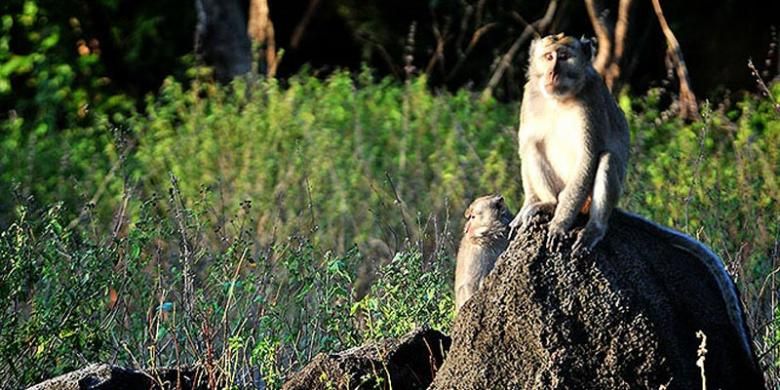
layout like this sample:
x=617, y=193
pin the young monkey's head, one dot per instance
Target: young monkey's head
x=487, y=216
x=560, y=64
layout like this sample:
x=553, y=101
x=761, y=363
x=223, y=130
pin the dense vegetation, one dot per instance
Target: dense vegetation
x=230, y=226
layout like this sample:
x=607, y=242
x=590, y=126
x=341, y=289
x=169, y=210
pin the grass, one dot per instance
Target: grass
x=232, y=226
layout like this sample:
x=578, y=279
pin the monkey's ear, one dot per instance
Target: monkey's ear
x=588, y=46
x=498, y=200
x=531, y=48
x=467, y=214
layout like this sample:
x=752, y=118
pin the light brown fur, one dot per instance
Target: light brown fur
x=485, y=237
x=573, y=141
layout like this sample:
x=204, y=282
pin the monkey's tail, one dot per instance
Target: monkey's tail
x=713, y=263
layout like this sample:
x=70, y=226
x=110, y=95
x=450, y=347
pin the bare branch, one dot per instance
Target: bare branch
x=762, y=85
x=258, y=20
x=438, y=54
x=300, y=29
x=612, y=76
x=689, y=108
x=472, y=43
x=261, y=30
x=603, y=35
x=506, y=59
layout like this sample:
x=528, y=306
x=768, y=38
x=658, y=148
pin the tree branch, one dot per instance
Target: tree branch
x=506, y=59
x=603, y=36
x=261, y=30
x=612, y=76
x=300, y=29
x=689, y=108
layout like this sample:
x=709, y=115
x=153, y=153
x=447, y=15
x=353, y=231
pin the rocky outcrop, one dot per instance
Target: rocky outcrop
x=624, y=317
x=108, y=377
x=407, y=363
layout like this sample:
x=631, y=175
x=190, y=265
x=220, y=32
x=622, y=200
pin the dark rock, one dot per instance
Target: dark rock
x=623, y=317
x=409, y=362
x=107, y=377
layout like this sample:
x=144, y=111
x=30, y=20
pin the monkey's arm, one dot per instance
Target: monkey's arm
x=540, y=185
x=572, y=197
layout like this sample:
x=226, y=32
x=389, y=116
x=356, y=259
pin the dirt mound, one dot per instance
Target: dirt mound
x=409, y=362
x=625, y=316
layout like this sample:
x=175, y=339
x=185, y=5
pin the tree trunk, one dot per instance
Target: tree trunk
x=221, y=38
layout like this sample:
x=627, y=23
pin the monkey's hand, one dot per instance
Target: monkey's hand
x=555, y=234
x=588, y=237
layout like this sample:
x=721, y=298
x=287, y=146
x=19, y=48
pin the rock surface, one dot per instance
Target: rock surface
x=107, y=377
x=409, y=362
x=623, y=317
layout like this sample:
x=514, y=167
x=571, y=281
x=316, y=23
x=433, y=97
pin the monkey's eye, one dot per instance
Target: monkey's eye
x=548, y=56
x=563, y=56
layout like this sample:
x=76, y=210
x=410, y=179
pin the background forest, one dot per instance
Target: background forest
x=243, y=184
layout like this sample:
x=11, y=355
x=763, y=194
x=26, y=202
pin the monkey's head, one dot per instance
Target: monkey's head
x=560, y=64
x=487, y=215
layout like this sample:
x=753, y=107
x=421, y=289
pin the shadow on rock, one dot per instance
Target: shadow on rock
x=625, y=316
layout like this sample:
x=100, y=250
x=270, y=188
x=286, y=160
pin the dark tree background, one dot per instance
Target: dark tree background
x=457, y=43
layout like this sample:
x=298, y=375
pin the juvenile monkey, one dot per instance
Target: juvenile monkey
x=485, y=237
x=573, y=141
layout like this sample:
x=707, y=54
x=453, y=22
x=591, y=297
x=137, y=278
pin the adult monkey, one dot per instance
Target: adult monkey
x=573, y=141
x=574, y=145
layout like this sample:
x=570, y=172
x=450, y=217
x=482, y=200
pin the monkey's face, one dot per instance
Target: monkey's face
x=486, y=214
x=559, y=64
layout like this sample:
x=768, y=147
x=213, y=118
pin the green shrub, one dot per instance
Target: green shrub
x=227, y=218
x=329, y=156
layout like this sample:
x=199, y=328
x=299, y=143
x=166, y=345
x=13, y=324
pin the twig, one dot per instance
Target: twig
x=382, y=53
x=702, y=353
x=762, y=85
x=472, y=43
x=438, y=53
x=98, y=194
x=178, y=205
x=401, y=206
x=297, y=35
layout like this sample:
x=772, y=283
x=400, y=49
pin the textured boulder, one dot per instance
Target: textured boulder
x=107, y=377
x=409, y=362
x=625, y=316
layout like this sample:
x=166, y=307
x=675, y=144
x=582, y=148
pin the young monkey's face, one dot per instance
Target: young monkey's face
x=559, y=64
x=486, y=214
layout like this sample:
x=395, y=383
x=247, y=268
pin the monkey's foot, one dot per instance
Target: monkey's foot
x=587, y=238
x=528, y=212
